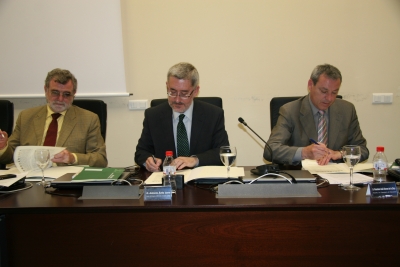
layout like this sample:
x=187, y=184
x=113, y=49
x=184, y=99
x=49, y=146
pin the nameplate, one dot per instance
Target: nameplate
x=110, y=192
x=382, y=190
x=267, y=190
x=157, y=193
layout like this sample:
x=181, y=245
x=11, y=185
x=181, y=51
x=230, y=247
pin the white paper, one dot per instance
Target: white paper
x=344, y=178
x=313, y=167
x=49, y=173
x=11, y=181
x=24, y=157
x=199, y=172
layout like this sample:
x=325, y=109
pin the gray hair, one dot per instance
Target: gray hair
x=185, y=71
x=329, y=70
x=61, y=76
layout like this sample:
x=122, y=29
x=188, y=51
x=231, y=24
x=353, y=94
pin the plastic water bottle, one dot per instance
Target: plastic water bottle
x=380, y=164
x=169, y=171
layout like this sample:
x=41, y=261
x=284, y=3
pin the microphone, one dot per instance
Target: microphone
x=267, y=168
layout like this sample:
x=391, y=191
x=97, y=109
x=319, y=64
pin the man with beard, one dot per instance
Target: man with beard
x=58, y=123
x=199, y=126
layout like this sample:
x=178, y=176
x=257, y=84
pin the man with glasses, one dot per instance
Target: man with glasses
x=58, y=123
x=317, y=125
x=192, y=129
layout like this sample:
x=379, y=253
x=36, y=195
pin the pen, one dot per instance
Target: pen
x=313, y=141
x=2, y=134
x=7, y=176
x=154, y=159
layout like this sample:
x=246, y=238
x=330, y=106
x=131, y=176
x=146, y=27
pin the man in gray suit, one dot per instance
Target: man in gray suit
x=300, y=121
x=204, y=125
x=78, y=130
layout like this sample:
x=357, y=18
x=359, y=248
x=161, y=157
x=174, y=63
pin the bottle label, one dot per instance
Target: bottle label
x=380, y=165
x=169, y=170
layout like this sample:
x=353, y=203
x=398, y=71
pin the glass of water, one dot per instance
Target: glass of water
x=228, y=156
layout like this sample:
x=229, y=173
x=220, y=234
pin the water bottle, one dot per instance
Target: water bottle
x=380, y=165
x=169, y=171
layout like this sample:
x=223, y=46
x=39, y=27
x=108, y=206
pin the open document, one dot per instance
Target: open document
x=24, y=160
x=24, y=156
x=210, y=172
x=313, y=167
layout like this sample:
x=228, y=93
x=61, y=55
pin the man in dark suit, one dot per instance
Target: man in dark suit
x=78, y=129
x=204, y=125
x=299, y=121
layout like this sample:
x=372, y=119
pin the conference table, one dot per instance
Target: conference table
x=198, y=229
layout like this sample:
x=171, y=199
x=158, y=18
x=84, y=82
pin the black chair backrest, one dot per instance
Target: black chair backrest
x=98, y=107
x=7, y=116
x=216, y=101
x=277, y=102
x=6, y=120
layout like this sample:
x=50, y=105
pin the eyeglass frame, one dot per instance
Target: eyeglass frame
x=181, y=96
x=56, y=93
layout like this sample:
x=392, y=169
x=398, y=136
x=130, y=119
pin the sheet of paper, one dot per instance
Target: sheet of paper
x=52, y=173
x=8, y=182
x=24, y=156
x=344, y=178
x=313, y=167
x=199, y=172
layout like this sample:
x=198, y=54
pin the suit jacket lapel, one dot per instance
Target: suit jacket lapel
x=197, y=124
x=305, y=115
x=165, y=121
x=38, y=123
x=67, y=126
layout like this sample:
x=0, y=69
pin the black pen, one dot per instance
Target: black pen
x=154, y=159
x=313, y=141
x=7, y=176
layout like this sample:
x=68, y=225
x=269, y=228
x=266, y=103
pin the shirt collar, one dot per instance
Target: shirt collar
x=188, y=113
x=314, y=108
x=49, y=112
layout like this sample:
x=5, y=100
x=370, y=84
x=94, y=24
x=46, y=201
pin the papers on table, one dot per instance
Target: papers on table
x=199, y=172
x=49, y=173
x=10, y=181
x=313, y=167
x=344, y=178
x=24, y=156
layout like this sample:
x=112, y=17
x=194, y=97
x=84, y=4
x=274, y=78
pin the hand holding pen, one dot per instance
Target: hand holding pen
x=153, y=164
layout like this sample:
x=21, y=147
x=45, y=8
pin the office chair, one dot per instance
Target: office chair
x=217, y=101
x=6, y=120
x=277, y=102
x=98, y=107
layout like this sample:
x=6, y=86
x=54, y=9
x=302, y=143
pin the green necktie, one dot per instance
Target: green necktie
x=182, y=138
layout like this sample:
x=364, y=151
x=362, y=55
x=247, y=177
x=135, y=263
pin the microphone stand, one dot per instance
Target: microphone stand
x=267, y=168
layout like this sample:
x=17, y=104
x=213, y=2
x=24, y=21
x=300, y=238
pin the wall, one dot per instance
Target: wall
x=248, y=51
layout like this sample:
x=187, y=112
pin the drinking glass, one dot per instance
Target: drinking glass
x=42, y=158
x=351, y=155
x=228, y=156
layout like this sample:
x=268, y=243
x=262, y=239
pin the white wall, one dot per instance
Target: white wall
x=248, y=51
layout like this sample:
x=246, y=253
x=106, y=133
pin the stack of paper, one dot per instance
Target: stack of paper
x=200, y=172
x=313, y=167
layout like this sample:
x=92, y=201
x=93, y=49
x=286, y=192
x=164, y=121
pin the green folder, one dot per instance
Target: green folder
x=92, y=174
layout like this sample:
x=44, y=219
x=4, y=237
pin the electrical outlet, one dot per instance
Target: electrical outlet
x=382, y=98
x=137, y=104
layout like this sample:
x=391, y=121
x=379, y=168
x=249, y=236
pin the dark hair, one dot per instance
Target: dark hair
x=61, y=76
x=329, y=70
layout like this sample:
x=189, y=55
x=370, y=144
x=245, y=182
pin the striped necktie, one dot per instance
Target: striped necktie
x=322, y=130
x=182, y=138
x=51, y=135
